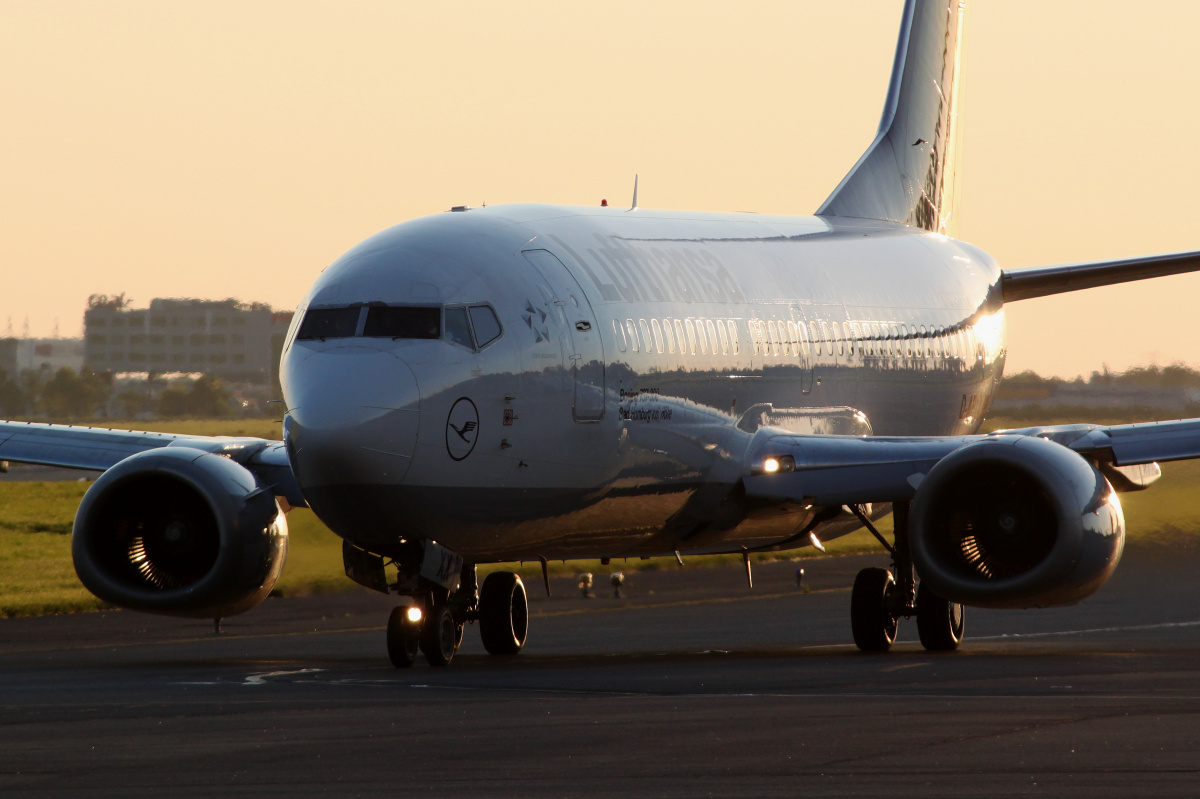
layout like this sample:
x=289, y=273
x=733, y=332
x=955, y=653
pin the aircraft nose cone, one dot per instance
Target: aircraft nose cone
x=352, y=418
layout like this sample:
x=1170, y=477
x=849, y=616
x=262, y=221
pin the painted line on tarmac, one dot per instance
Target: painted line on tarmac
x=1168, y=625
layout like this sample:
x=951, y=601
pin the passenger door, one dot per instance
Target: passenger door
x=582, y=334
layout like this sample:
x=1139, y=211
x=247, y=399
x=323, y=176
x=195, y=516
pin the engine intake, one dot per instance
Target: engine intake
x=179, y=532
x=1015, y=522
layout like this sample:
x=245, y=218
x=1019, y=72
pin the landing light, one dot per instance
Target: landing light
x=783, y=463
x=414, y=614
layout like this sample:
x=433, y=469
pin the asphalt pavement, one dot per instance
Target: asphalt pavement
x=691, y=684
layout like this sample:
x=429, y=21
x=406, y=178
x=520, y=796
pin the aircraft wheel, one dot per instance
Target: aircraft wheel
x=403, y=638
x=503, y=613
x=940, y=622
x=871, y=620
x=439, y=636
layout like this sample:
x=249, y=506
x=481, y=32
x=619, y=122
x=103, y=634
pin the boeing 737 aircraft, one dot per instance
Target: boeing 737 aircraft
x=533, y=382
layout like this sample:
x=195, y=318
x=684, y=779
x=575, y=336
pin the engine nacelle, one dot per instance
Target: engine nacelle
x=179, y=532
x=1015, y=522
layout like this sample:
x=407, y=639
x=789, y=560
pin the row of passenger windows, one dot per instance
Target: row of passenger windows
x=472, y=326
x=794, y=339
x=688, y=336
x=872, y=339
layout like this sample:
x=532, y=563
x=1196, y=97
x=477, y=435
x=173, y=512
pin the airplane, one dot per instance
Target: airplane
x=537, y=382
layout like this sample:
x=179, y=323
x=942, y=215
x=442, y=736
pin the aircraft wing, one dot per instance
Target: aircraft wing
x=75, y=447
x=844, y=470
x=1042, y=281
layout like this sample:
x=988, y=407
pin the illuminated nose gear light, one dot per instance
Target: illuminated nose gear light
x=773, y=465
x=414, y=614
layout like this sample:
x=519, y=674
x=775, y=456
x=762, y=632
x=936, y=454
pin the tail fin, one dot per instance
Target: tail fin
x=909, y=173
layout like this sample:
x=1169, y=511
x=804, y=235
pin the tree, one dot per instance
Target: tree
x=13, y=401
x=71, y=396
x=206, y=399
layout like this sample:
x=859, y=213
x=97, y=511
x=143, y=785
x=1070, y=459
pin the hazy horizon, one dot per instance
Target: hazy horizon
x=236, y=149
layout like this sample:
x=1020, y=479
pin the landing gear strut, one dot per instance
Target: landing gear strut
x=880, y=598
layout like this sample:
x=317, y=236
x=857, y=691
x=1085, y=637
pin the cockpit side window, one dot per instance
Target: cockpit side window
x=458, y=329
x=323, y=323
x=487, y=326
x=385, y=321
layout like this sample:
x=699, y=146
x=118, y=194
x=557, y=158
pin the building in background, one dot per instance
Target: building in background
x=40, y=354
x=235, y=341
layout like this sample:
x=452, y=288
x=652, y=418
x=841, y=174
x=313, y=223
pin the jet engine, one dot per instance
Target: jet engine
x=1015, y=522
x=179, y=532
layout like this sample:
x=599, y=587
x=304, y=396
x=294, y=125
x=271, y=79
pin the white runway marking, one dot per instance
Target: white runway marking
x=258, y=679
x=1134, y=628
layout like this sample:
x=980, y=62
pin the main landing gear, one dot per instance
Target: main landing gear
x=880, y=599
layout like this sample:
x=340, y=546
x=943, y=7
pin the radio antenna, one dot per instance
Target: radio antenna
x=635, y=179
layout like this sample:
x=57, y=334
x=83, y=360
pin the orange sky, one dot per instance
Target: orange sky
x=236, y=148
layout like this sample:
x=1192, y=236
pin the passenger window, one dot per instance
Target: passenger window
x=703, y=339
x=666, y=325
x=733, y=335
x=896, y=347
x=816, y=337
x=458, y=329
x=619, y=336
x=802, y=337
x=680, y=336
x=658, y=337
x=647, y=342
x=849, y=338
x=721, y=335
x=323, y=323
x=691, y=335
x=631, y=328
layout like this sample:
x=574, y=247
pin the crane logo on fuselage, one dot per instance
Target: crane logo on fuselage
x=462, y=429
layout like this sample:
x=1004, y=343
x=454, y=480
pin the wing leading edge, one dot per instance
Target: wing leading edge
x=99, y=448
x=1043, y=281
x=843, y=470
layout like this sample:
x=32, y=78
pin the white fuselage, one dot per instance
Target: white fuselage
x=640, y=352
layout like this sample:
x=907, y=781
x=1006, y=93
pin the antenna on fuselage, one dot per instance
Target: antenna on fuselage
x=635, y=177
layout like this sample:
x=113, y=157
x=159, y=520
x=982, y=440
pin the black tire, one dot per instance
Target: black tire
x=403, y=638
x=873, y=624
x=438, y=636
x=503, y=613
x=940, y=622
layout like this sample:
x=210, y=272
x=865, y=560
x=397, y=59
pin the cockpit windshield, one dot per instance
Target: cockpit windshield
x=402, y=322
x=326, y=323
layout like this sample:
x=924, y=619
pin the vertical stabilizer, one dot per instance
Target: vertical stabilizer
x=909, y=174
